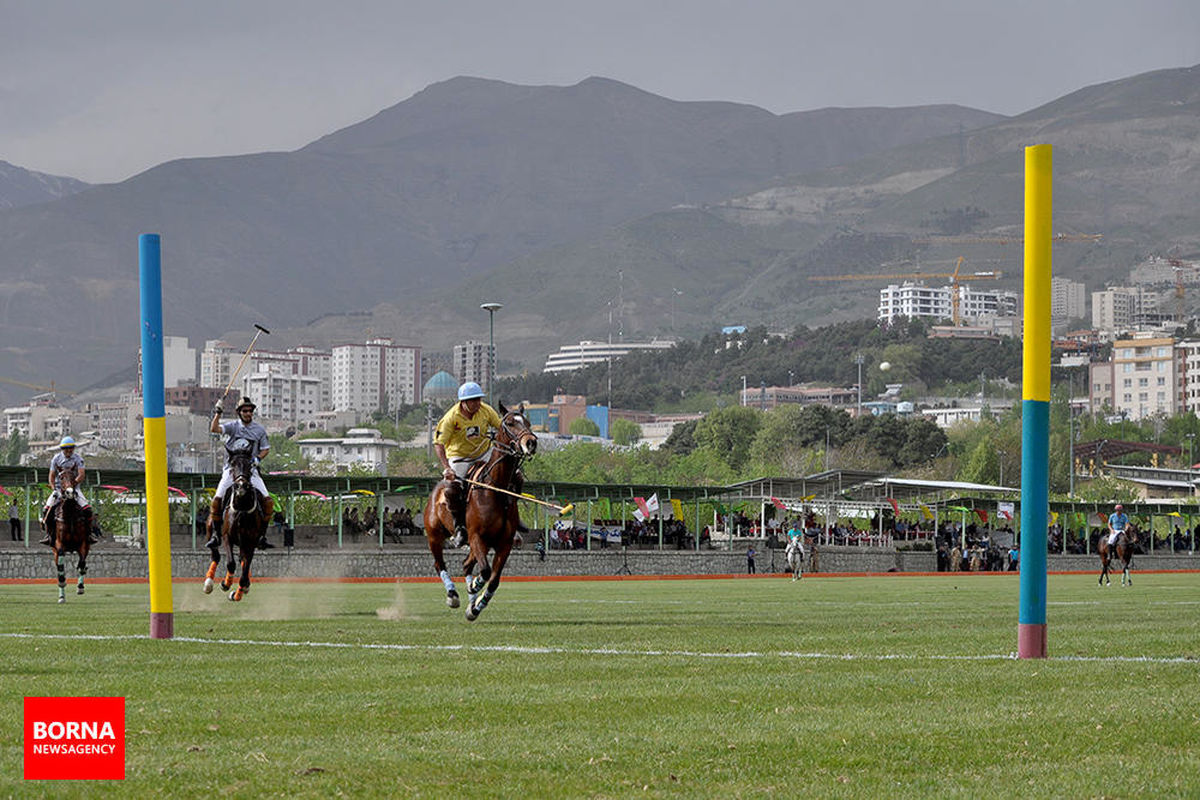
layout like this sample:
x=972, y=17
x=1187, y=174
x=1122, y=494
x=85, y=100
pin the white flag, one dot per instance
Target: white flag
x=638, y=515
x=652, y=503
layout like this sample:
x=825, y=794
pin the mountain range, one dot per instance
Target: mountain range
x=586, y=210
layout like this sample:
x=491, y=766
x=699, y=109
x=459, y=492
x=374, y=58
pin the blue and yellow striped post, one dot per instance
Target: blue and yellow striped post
x=154, y=429
x=1035, y=406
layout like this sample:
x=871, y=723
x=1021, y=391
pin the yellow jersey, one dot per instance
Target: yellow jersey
x=466, y=437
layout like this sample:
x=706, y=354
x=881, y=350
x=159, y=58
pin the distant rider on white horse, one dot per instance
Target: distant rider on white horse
x=795, y=556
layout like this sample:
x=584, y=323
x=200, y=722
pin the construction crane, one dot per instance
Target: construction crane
x=1058, y=237
x=37, y=388
x=955, y=279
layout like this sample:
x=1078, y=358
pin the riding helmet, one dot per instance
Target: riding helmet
x=246, y=401
x=470, y=390
x=66, y=442
x=1120, y=507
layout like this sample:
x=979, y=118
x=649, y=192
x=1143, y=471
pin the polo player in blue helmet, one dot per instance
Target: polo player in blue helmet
x=463, y=438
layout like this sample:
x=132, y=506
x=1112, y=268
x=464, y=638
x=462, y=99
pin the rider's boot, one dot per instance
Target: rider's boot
x=47, y=526
x=458, y=511
x=93, y=533
x=214, y=524
x=268, y=513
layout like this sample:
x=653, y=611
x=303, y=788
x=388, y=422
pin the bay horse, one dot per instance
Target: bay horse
x=70, y=534
x=795, y=557
x=243, y=522
x=1122, y=549
x=492, y=517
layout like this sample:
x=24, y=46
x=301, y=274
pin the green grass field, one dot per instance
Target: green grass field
x=831, y=687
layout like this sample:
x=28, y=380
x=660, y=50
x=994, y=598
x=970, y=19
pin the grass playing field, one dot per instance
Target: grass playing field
x=830, y=687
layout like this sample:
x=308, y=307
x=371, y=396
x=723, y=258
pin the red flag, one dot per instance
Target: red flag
x=775, y=501
x=895, y=505
x=982, y=514
x=1004, y=514
x=641, y=504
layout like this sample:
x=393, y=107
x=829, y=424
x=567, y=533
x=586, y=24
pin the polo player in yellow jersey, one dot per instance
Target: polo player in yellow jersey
x=462, y=438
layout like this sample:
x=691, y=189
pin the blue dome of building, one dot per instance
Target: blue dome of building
x=442, y=386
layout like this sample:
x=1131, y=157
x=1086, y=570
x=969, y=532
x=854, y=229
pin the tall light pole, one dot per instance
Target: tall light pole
x=674, y=293
x=1191, y=437
x=859, y=358
x=743, y=390
x=491, y=308
x=1001, y=454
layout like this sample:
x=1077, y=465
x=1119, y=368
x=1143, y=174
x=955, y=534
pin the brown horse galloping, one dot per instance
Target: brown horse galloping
x=1122, y=549
x=492, y=517
x=243, y=522
x=70, y=534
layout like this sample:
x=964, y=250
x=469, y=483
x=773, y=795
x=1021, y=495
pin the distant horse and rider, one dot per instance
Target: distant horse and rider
x=794, y=552
x=243, y=518
x=67, y=516
x=480, y=504
x=1119, y=541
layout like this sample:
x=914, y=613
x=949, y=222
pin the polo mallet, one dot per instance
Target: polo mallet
x=242, y=363
x=562, y=510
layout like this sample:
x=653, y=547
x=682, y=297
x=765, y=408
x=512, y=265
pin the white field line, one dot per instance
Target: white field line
x=607, y=651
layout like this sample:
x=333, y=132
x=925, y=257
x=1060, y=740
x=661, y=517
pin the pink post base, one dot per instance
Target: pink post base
x=1031, y=641
x=162, y=626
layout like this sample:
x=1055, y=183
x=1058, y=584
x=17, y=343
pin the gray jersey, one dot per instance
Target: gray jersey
x=62, y=463
x=240, y=437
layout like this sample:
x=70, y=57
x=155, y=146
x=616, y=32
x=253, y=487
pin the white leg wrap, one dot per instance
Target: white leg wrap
x=445, y=576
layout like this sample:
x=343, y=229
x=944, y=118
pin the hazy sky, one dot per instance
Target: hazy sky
x=103, y=89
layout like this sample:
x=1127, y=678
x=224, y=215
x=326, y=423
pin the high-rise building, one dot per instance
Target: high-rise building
x=1115, y=309
x=1068, y=299
x=377, y=375
x=1146, y=376
x=218, y=360
x=472, y=363
x=280, y=393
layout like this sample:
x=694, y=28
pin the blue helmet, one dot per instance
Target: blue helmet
x=67, y=441
x=470, y=390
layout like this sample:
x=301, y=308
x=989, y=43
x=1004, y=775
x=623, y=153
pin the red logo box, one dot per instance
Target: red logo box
x=74, y=738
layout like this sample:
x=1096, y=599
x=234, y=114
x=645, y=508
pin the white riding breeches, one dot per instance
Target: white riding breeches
x=227, y=480
x=1112, y=538
x=462, y=465
x=55, y=495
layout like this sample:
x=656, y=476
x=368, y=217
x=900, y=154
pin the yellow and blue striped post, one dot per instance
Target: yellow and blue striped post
x=154, y=429
x=1035, y=405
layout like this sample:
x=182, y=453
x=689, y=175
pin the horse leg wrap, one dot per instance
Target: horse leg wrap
x=446, y=580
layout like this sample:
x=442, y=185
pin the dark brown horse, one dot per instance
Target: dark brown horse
x=243, y=523
x=1122, y=548
x=70, y=534
x=492, y=517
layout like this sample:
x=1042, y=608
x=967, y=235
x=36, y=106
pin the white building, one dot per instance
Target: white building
x=1114, y=309
x=1189, y=363
x=577, y=356
x=359, y=446
x=948, y=417
x=218, y=360
x=179, y=361
x=471, y=363
x=282, y=394
x=1068, y=299
x=911, y=300
x=377, y=375
x=1146, y=377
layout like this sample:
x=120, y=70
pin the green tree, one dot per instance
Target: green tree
x=582, y=426
x=729, y=432
x=682, y=439
x=625, y=432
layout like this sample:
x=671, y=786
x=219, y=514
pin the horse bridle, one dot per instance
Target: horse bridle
x=510, y=449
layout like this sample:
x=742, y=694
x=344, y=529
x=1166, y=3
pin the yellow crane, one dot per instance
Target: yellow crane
x=954, y=277
x=1058, y=237
x=36, y=387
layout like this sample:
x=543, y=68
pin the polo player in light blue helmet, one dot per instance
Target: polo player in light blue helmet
x=66, y=471
x=461, y=439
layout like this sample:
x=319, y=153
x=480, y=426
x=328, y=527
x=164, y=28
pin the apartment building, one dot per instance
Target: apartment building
x=1146, y=376
x=377, y=375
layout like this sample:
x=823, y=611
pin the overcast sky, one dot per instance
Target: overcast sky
x=103, y=89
